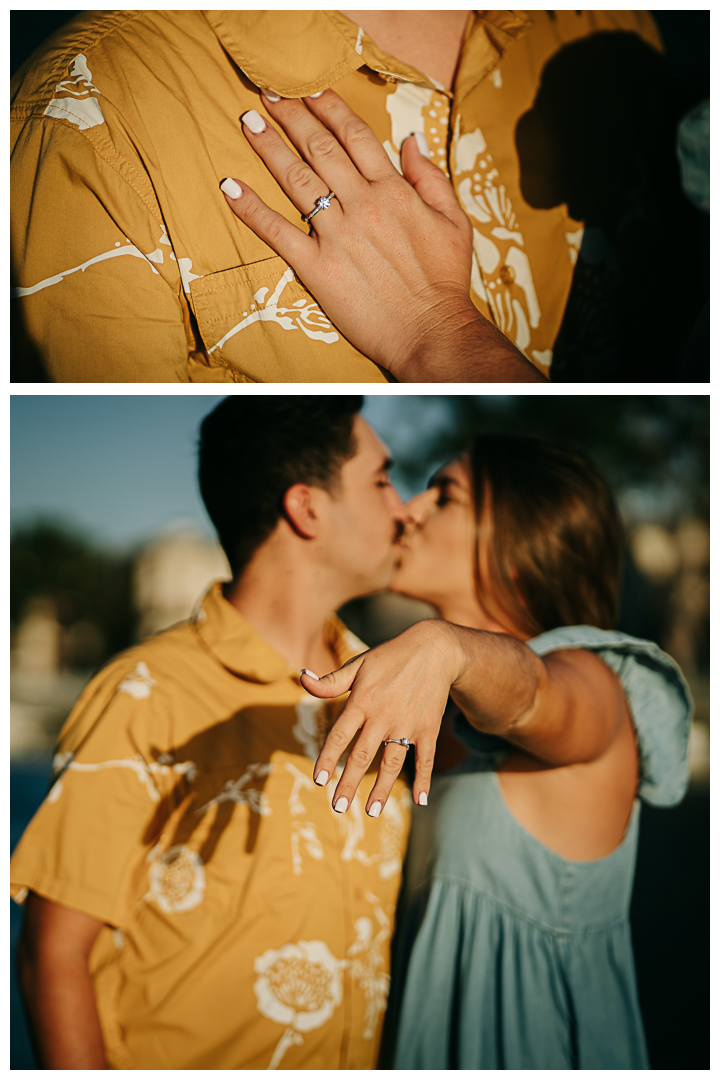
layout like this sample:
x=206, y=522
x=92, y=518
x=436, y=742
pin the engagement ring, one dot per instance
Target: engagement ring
x=320, y=204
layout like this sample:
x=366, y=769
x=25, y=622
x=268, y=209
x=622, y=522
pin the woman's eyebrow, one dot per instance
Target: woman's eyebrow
x=441, y=480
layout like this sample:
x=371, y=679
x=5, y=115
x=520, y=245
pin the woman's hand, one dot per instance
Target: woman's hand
x=389, y=260
x=566, y=709
x=398, y=690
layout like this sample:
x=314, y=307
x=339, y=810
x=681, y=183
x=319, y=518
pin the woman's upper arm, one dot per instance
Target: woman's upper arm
x=578, y=711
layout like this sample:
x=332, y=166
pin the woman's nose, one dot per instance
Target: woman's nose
x=419, y=507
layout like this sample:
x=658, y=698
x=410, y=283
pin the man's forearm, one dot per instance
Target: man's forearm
x=60, y=1003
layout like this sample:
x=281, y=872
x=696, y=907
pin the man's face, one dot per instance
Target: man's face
x=365, y=518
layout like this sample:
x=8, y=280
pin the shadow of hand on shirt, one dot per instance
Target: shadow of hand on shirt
x=226, y=767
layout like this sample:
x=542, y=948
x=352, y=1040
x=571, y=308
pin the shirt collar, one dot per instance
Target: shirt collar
x=488, y=38
x=297, y=53
x=240, y=649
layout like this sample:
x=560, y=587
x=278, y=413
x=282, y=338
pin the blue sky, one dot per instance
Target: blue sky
x=121, y=468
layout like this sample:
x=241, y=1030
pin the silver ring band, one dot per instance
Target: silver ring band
x=320, y=204
x=403, y=742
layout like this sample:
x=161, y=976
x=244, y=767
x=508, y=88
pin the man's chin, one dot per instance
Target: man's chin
x=399, y=582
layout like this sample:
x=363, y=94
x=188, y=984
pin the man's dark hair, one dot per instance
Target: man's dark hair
x=252, y=449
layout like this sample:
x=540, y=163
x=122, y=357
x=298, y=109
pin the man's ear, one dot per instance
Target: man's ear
x=300, y=504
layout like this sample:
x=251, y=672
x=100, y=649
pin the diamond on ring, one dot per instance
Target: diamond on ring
x=320, y=204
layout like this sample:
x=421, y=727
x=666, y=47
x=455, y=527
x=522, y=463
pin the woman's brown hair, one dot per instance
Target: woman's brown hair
x=556, y=538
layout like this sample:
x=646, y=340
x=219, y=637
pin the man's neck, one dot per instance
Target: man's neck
x=428, y=40
x=288, y=603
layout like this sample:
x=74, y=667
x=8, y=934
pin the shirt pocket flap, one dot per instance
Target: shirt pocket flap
x=260, y=322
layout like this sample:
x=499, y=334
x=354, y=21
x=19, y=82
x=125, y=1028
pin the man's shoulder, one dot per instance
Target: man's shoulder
x=64, y=63
x=171, y=651
x=141, y=687
x=166, y=660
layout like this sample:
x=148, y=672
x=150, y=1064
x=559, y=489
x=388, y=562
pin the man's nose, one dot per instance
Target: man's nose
x=399, y=508
x=401, y=515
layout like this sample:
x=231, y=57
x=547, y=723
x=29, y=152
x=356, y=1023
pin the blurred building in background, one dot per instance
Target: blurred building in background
x=75, y=608
x=170, y=575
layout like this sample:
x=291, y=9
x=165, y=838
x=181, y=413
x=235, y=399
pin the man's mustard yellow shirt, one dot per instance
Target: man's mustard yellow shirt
x=247, y=924
x=128, y=264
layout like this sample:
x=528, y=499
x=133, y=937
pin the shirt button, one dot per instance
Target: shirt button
x=507, y=275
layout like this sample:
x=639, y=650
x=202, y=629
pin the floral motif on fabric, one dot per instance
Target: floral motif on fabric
x=246, y=790
x=177, y=879
x=303, y=832
x=501, y=274
x=299, y=986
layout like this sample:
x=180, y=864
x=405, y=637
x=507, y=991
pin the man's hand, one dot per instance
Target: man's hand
x=389, y=259
x=56, y=986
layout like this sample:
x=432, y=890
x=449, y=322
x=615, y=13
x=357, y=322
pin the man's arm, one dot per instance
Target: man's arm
x=97, y=291
x=56, y=986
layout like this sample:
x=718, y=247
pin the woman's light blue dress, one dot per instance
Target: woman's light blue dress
x=507, y=955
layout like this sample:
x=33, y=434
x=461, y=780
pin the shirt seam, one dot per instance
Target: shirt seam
x=86, y=40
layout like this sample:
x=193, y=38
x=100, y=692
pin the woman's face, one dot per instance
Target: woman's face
x=437, y=560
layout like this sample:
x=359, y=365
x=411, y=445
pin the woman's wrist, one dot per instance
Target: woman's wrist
x=498, y=681
x=455, y=343
x=436, y=332
x=444, y=645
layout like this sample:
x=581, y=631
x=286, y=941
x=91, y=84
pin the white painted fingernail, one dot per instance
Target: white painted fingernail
x=422, y=798
x=231, y=188
x=375, y=809
x=253, y=121
x=322, y=778
x=307, y=671
x=319, y=94
x=341, y=805
x=422, y=143
x=271, y=97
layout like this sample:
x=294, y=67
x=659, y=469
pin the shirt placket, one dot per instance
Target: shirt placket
x=499, y=247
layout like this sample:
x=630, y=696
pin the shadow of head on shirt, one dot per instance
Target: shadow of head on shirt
x=600, y=137
x=600, y=133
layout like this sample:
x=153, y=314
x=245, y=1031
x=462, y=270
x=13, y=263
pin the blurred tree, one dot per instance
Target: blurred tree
x=89, y=590
x=654, y=442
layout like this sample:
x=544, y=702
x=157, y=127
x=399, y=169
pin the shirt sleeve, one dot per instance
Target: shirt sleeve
x=114, y=785
x=98, y=294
